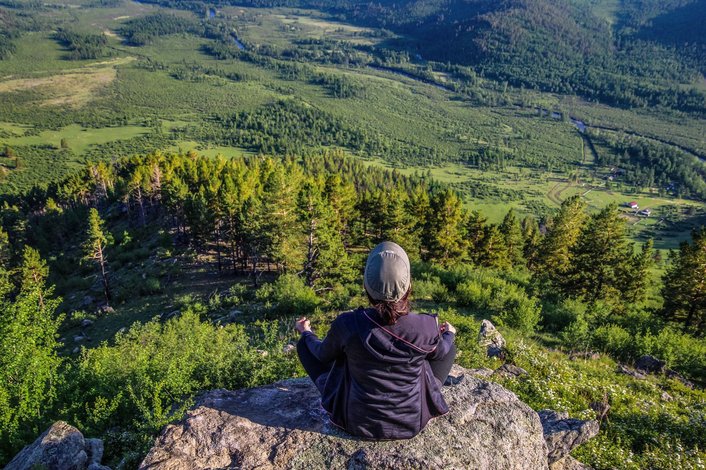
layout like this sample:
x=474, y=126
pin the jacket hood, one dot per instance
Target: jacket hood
x=397, y=343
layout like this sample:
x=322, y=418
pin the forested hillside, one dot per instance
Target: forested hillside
x=180, y=180
x=120, y=235
x=555, y=45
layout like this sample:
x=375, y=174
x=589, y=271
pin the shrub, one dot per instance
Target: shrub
x=507, y=303
x=151, y=374
x=430, y=288
x=288, y=295
x=613, y=339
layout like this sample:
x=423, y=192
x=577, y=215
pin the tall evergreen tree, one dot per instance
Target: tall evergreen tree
x=29, y=365
x=532, y=239
x=475, y=232
x=601, y=259
x=684, y=288
x=326, y=262
x=33, y=273
x=493, y=250
x=512, y=233
x=556, y=249
x=97, y=240
x=445, y=242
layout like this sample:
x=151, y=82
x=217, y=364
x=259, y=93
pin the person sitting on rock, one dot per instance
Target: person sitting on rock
x=380, y=369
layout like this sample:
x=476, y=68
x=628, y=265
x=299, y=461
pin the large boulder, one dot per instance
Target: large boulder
x=61, y=447
x=491, y=339
x=283, y=426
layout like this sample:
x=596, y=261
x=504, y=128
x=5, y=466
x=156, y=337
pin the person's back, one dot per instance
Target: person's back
x=380, y=378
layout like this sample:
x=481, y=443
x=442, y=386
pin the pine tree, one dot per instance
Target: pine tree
x=493, y=250
x=556, y=249
x=5, y=256
x=638, y=278
x=326, y=261
x=445, y=242
x=532, y=239
x=514, y=241
x=684, y=288
x=33, y=273
x=29, y=364
x=475, y=233
x=398, y=225
x=97, y=240
x=601, y=259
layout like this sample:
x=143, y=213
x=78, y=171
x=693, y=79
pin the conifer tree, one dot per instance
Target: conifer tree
x=555, y=253
x=33, y=273
x=514, y=242
x=475, y=233
x=684, y=288
x=398, y=225
x=29, y=365
x=637, y=282
x=601, y=259
x=97, y=240
x=493, y=250
x=5, y=255
x=532, y=239
x=445, y=241
x=326, y=262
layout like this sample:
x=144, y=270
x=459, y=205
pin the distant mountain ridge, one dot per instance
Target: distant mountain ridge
x=650, y=56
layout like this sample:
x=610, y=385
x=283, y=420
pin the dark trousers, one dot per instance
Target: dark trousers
x=315, y=368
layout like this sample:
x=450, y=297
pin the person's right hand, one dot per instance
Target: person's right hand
x=446, y=326
x=302, y=325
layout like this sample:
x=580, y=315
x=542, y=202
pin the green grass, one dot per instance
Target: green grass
x=78, y=138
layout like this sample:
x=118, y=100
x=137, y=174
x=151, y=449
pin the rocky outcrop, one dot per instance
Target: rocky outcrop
x=563, y=433
x=61, y=447
x=283, y=426
x=491, y=339
x=650, y=365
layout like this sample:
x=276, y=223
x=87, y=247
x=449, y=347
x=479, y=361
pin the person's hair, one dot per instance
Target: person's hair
x=392, y=311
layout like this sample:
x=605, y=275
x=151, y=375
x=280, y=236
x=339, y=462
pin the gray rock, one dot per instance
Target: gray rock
x=85, y=323
x=491, y=339
x=666, y=397
x=569, y=463
x=76, y=350
x=672, y=374
x=564, y=434
x=481, y=372
x=87, y=301
x=80, y=338
x=61, y=447
x=510, y=370
x=632, y=373
x=94, y=449
x=289, y=349
x=97, y=466
x=283, y=426
x=650, y=365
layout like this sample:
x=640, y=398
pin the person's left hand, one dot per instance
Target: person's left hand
x=302, y=325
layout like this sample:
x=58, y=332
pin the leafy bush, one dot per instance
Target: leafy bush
x=152, y=373
x=288, y=295
x=507, y=303
x=430, y=288
x=613, y=339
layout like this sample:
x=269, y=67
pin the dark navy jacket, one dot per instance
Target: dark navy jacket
x=380, y=385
